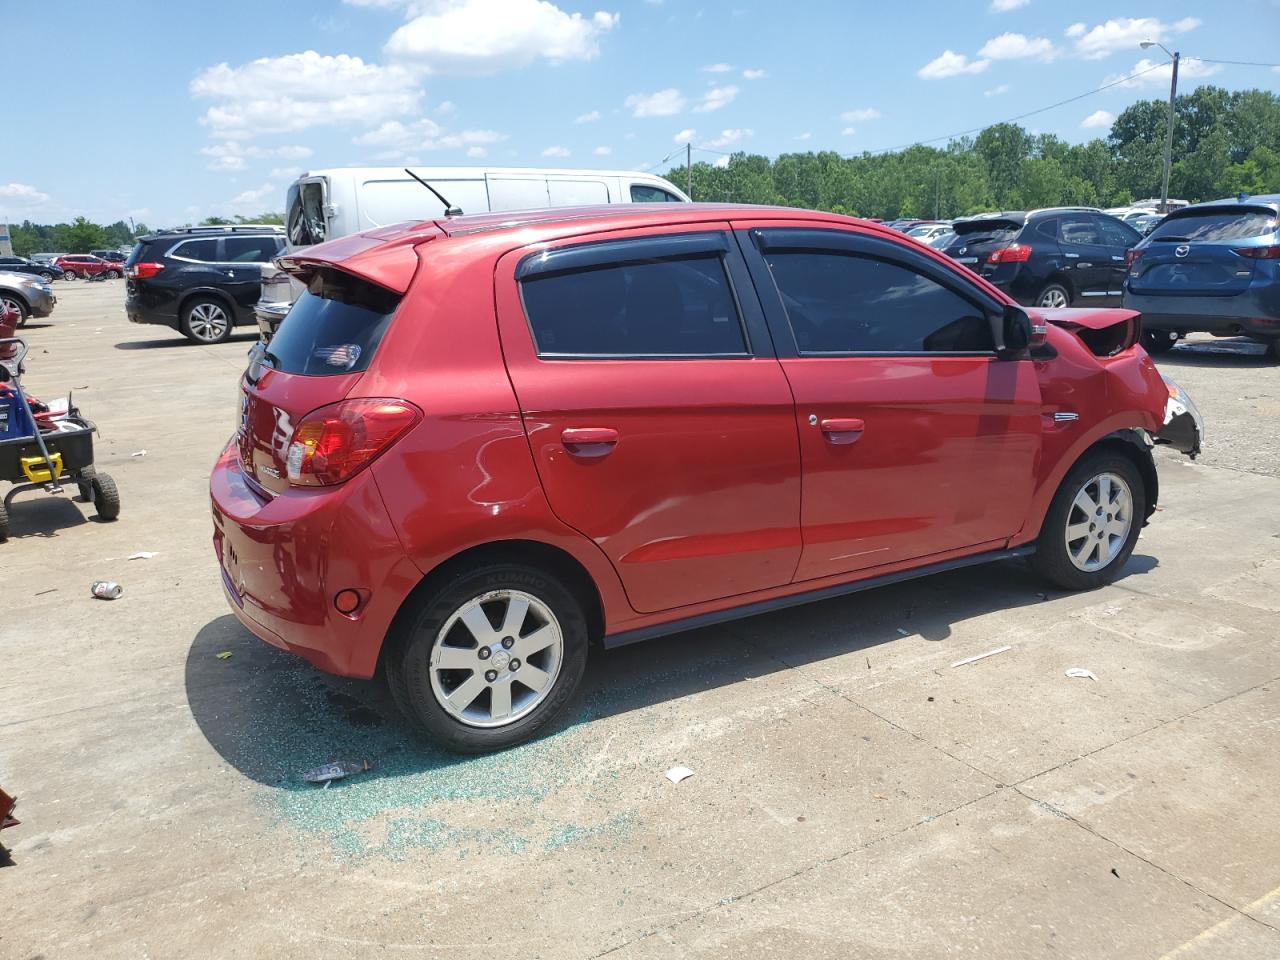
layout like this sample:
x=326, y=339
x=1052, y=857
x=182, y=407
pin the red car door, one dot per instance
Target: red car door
x=916, y=441
x=660, y=422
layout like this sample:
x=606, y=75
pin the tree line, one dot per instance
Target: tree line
x=82, y=235
x=1224, y=143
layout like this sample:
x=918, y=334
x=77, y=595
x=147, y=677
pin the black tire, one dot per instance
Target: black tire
x=106, y=498
x=114, y=274
x=1052, y=292
x=46, y=277
x=413, y=637
x=69, y=275
x=18, y=304
x=1052, y=559
x=1273, y=351
x=1156, y=342
x=200, y=324
x=4, y=522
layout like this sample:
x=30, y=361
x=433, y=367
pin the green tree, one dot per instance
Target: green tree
x=79, y=236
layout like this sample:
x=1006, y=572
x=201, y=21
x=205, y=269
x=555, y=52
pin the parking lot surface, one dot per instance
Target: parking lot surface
x=853, y=795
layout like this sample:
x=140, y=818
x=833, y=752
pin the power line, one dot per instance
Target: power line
x=1236, y=63
x=1022, y=116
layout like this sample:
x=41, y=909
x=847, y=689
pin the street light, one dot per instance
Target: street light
x=1168, y=137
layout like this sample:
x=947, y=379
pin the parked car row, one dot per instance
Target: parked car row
x=70, y=266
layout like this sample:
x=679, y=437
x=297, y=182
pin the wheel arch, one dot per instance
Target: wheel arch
x=210, y=293
x=534, y=552
x=8, y=294
x=1062, y=279
x=1128, y=443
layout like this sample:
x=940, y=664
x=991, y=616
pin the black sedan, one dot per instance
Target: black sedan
x=46, y=271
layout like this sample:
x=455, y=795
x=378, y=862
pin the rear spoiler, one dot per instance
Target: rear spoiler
x=384, y=257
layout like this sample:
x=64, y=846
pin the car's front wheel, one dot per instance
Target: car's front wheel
x=13, y=303
x=205, y=320
x=489, y=658
x=113, y=274
x=1054, y=295
x=1093, y=523
x=46, y=277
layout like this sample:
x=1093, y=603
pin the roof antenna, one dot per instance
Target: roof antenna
x=449, y=209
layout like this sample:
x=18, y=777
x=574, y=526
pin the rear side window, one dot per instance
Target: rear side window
x=666, y=308
x=844, y=303
x=204, y=251
x=1216, y=225
x=250, y=249
x=334, y=327
x=643, y=193
x=1116, y=233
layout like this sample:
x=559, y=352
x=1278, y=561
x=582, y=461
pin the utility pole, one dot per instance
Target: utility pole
x=688, y=163
x=1168, y=137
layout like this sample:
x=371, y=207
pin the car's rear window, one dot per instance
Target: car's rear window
x=1211, y=225
x=334, y=327
x=996, y=229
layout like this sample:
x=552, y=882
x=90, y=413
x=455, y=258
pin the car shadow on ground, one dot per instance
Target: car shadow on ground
x=272, y=716
x=29, y=325
x=34, y=513
x=178, y=340
x=1231, y=353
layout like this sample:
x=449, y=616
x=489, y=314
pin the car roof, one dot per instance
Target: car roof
x=1259, y=202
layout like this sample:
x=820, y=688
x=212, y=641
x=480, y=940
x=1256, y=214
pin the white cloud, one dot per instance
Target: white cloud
x=556, y=152
x=1004, y=6
x=728, y=137
x=950, y=64
x=848, y=131
x=861, y=114
x=1099, y=118
x=1123, y=33
x=722, y=162
x=17, y=196
x=302, y=90
x=715, y=98
x=602, y=151
x=445, y=108
x=664, y=103
x=996, y=91
x=591, y=117
x=284, y=173
x=477, y=153
x=1016, y=46
x=486, y=36
x=750, y=74
x=252, y=200
x=685, y=136
x=717, y=68
x=422, y=134
x=231, y=155
x=805, y=136
x=1157, y=74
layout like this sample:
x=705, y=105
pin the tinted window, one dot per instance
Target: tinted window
x=642, y=193
x=205, y=251
x=334, y=327
x=1117, y=234
x=842, y=303
x=1048, y=228
x=306, y=214
x=249, y=249
x=667, y=308
x=1074, y=231
x=1216, y=225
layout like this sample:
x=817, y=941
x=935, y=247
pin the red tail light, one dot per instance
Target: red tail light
x=1260, y=253
x=1014, y=253
x=141, y=271
x=1131, y=255
x=335, y=442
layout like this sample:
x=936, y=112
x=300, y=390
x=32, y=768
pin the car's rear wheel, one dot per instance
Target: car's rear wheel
x=489, y=658
x=13, y=303
x=1054, y=295
x=113, y=274
x=1273, y=351
x=205, y=320
x=70, y=275
x=1093, y=523
x=1158, y=341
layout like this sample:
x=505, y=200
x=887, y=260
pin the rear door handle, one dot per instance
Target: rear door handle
x=1072, y=256
x=842, y=430
x=589, y=441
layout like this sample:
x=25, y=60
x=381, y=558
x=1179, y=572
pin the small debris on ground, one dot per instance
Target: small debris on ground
x=1114, y=874
x=224, y=655
x=143, y=555
x=138, y=453
x=336, y=770
x=676, y=774
x=50, y=590
x=106, y=590
x=904, y=632
x=1080, y=673
x=981, y=656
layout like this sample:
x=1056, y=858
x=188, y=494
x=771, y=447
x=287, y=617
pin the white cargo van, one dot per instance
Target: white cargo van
x=326, y=204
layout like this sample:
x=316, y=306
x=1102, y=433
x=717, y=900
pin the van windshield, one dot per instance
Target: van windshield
x=334, y=327
x=306, y=214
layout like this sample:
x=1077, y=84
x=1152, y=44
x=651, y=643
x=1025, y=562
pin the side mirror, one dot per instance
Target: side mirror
x=1014, y=335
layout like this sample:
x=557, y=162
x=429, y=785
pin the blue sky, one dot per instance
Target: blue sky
x=170, y=112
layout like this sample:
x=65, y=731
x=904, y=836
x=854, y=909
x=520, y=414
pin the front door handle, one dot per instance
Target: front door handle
x=842, y=430
x=589, y=441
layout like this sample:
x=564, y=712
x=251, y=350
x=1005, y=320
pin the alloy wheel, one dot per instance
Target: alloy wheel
x=496, y=658
x=1099, y=522
x=208, y=322
x=1052, y=298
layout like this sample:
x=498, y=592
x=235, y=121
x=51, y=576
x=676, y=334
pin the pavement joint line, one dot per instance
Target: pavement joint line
x=1234, y=910
x=801, y=871
x=1211, y=932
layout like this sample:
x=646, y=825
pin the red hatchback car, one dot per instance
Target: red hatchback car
x=477, y=446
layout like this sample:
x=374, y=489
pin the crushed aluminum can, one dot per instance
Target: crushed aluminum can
x=106, y=590
x=336, y=770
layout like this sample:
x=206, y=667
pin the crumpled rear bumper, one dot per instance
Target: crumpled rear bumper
x=1183, y=427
